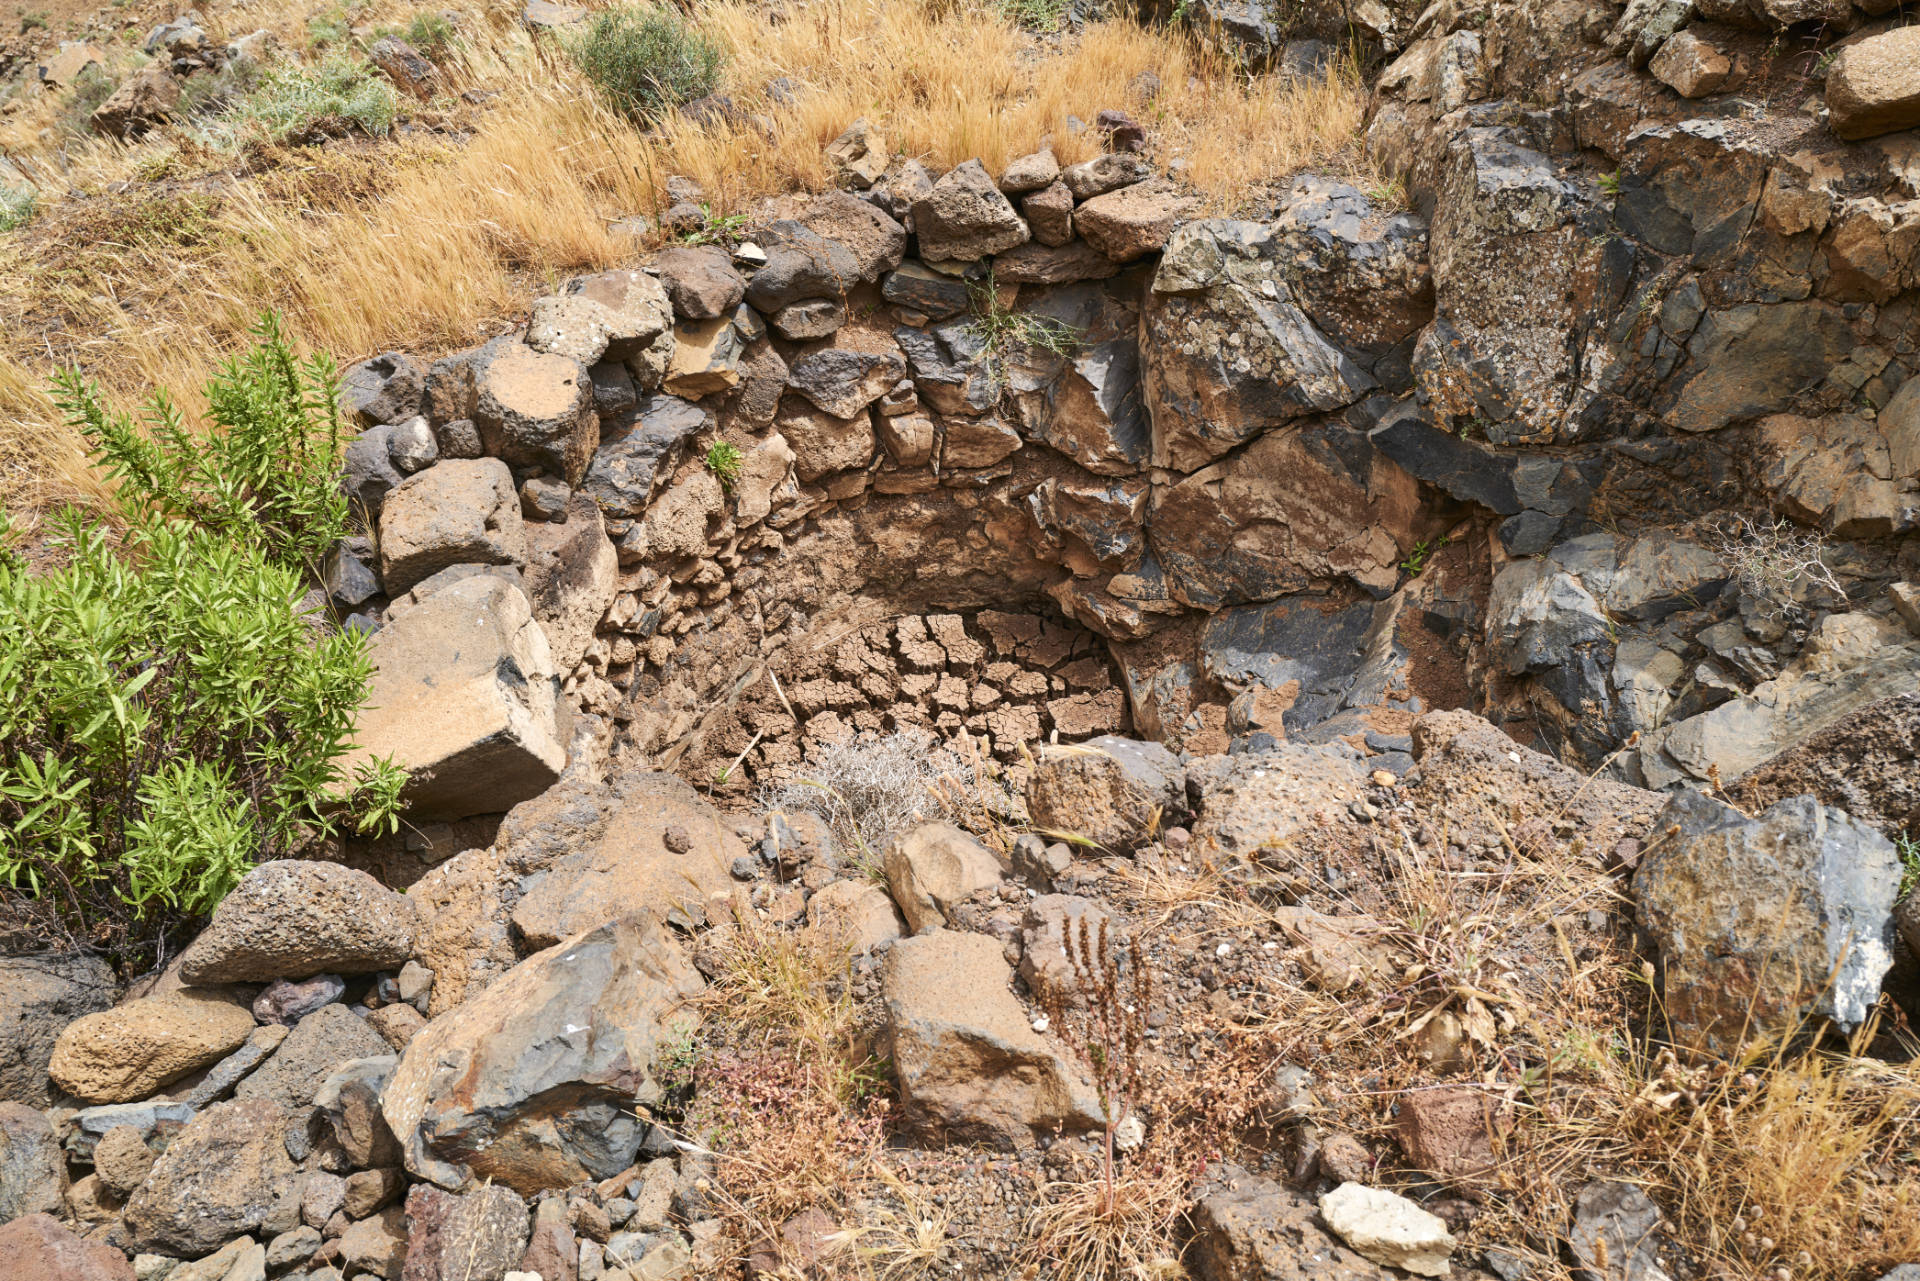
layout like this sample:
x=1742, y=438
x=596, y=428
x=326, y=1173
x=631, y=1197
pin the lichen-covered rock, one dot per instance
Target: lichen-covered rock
x=1763, y=923
x=294, y=917
x=1226, y=351
x=126, y=1053
x=532, y=1100
x=970, y=1067
x=33, y=1170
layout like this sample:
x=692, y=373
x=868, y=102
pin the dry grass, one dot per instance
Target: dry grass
x=453, y=236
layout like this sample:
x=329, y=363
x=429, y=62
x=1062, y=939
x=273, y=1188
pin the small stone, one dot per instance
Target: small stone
x=1388, y=1229
x=286, y=1002
x=545, y=498
x=411, y=446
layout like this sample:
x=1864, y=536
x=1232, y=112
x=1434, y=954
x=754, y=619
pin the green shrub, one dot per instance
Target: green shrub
x=16, y=207
x=646, y=61
x=292, y=103
x=724, y=460
x=167, y=715
x=432, y=34
x=329, y=27
x=265, y=471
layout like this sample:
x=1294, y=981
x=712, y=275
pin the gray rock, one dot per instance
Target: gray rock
x=844, y=382
x=228, y=1072
x=287, y=1003
x=1098, y=176
x=1615, y=1233
x=965, y=217
x=1761, y=924
x=349, y=582
x=225, y=1175
x=385, y=389
x=368, y=472
x=460, y=512
x=295, y=917
x=929, y=292
x=801, y=263
x=318, y=1044
x=544, y=498
x=700, y=281
x=952, y=371
x=411, y=445
x=639, y=449
x=291, y=1249
x=39, y=996
x=154, y=1120
x=1030, y=172
x=809, y=320
x=349, y=1099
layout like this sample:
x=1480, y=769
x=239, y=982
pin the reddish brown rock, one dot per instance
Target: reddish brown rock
x=36, y=1247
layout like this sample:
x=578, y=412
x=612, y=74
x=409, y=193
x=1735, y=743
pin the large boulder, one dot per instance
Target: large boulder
x=1113, y=791
x=292, y=918
x=318, y=1044
x=933, y=868
x=1226, y=351
x=1873, y=86
x=965, y=217
x=532, y=1082
x=36, y=1247
x=225, y=1175
x=33, y=1169
x=464, y=511
x=1761, y=924
x=126, y=1053
x=970, y=1066
x=39, y=996
x=148, y=97
x=664, y=850
x=465, y=699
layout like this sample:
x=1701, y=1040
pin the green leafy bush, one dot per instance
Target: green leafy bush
x=343, y=94
x=168, y=716
x=432, y=34
x=647, y=60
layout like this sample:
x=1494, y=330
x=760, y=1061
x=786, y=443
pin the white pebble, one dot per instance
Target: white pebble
x=1223, y=949
x=1042, y=1023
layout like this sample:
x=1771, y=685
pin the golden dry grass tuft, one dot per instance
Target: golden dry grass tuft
x=426, y=241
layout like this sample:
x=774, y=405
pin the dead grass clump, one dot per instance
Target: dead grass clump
x=868, y=787
x=1093, y=1230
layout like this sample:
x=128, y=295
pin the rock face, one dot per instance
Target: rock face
x=532, y=1082
x=1220, y=279
x=291, y=918
x=1866, y=763
x=464, y=699
x=1761, y=924
x=664, y=850
x=39, y=996
x=225, y=1175
x=123, y=1054
x=1113, y=791
x=37, y=1248
x=1873, y=86
x=969, y=1065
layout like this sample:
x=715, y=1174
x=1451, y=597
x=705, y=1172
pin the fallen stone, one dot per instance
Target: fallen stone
x=126, y=1053
x=1615, y=1233
x=241, y=1260
x=857, y=912
x=933, y=868
x=1388, y=1229
x=286, y=1002
x=632, y=866
x=293, y=917
x=227, y=1174
x=969, y=1065
x=1873, y=86
x=1762, y=924
x=1690, y=66
x=552, y=1118
x=572, y=576
x=147, y=98
x=465, y=699
x=1113, y=791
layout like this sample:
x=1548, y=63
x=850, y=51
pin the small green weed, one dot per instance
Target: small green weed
x=723, y=460
x=432, y=34
x=1042, y=16
x=645, y=61
x=16, y=207
x=1909, y=848
x=329, y=27
x=34, y=21
x=1000, y=329
x=1610, y=183
x=717, y=229
x=1423, y=551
